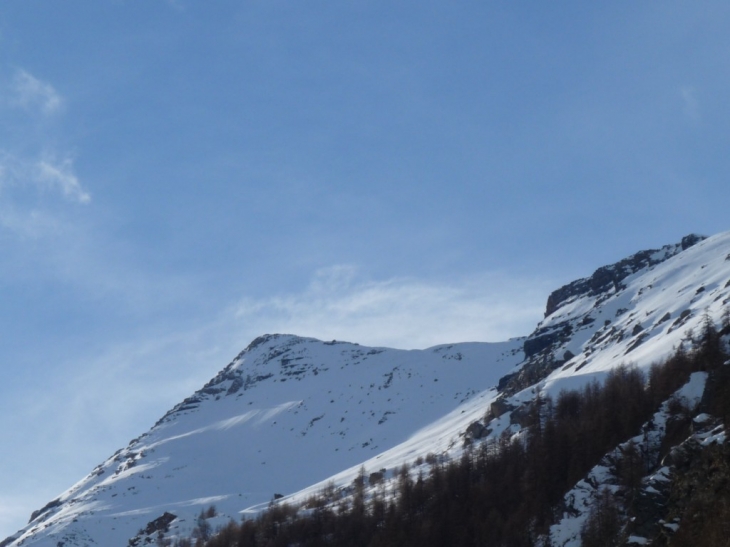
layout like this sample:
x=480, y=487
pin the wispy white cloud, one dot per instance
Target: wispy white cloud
x=44, y=173
x=31, y=93
x=28, y=179
x=401, y=312
x=60, y=174
x=24, y=211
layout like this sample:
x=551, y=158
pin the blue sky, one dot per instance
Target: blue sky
x=178, y=177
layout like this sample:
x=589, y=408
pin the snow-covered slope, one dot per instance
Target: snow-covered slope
x=640, y=316
x=287, y=412
x=290, y=415
x=635, y=312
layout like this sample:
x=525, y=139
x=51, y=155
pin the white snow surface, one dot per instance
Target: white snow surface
x=290, y=415
x=304, y=410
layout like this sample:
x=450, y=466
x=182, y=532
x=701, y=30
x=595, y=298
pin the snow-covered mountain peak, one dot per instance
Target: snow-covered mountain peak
x=285, y=413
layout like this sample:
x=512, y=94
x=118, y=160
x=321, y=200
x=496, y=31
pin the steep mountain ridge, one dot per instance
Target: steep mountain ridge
x=291, y=415
x=608, y=279
x=628, y=304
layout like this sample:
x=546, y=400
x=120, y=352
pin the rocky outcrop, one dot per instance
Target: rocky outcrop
x=46, y=508
x=607, y=279
x=154, y=531
x=476, y=430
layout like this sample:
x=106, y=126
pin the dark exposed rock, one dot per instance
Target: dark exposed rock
x=637, y=329
x=533, y=346
x=666, y=317
x=153, y=531
x=535, y=369
x=505, y=381
x=545, y=338
x=257, y=342
x=499, y=407
x=47, y=507
x=476, y=430
x=539, y=357
x=376, y=478
x=160, y=524
x=212, y=390
x=607, y=279
x=236, y=385
x=636, y=343
x=690, y=240
x=681, y=320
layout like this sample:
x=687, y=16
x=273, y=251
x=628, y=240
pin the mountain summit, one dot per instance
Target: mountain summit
x=291, y=415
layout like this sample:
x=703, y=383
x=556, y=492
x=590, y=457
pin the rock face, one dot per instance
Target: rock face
x=607, y=279
x=549, y=347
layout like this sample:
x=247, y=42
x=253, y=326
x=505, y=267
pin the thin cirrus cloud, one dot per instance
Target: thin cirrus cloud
x=26, y=178
x=61, y=175
x=400, y=312
x=46, y=173
x=35, y=218
x=31, y=93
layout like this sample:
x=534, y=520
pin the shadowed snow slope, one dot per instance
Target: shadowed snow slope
x=290, y=414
